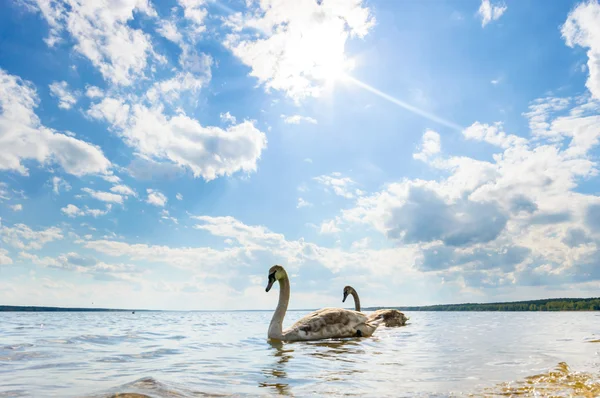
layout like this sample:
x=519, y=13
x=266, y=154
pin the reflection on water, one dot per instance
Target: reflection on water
x=208, y=353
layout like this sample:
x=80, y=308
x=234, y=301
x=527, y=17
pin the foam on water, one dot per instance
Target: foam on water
x=157, y=354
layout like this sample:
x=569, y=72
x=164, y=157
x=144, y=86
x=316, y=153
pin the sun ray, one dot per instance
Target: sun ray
x=403, y=104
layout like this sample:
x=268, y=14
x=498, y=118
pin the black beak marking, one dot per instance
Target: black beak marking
x=271, y=281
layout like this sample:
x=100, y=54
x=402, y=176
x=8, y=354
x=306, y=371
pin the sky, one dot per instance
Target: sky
x=164, y=155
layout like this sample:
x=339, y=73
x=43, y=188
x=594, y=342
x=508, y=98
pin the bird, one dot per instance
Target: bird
x=391, y=317
x=326, y=323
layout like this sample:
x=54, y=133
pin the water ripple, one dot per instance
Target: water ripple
x=194, y=354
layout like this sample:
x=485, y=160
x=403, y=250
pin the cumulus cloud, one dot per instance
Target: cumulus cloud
x=430, y=146
x=58, y=184
x=297, y=119
x=22, y=237
x=5, y=258
x=195, y=13
x=17, y=207
x=104, y=196
x=93, y=92
x=341, y=186
x=196, y=74
x=296, y=47
x=24, y=138
x=168, y=30
x=517, y=219
x=227, y=117
x=156, y=198
x=102, y=34
x=490, y=12
x=73, y=211
x=209, y=152
x=581, y=29
x=179, y=196
x=86, y=265
x=124, y=190
x=303, y=203
x=66, y=98
x=329, y=227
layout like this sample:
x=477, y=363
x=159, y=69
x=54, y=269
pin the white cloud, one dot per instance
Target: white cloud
x=22, y=237
x=303, y=203
x=168, y=30
x=66, y=98
x=93, y=92
x=179, y=196
x=516, y=220
x=341, y=186
x=104, y=196
x=227, y=118
x=111, y=178
x=196, y=74
x=102, y=34
x=194, y=12
x=123, y=190
x=4, y=258
x=23, y=137
x=540, y=111
x=73, y=211
x=17, y=207
x=581, y=29
x=490, y=12
x=308, y=160
x=430, y=146
x=329, y=227
x=58, y=183
x=300, y=45
x=156, y=198
x=209, y=152
x=4, y=191
x=492, y=135
x=297, y=119
x=164, y=215
x=86, y=265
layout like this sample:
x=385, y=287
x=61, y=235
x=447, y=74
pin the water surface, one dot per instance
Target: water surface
x=180, y=354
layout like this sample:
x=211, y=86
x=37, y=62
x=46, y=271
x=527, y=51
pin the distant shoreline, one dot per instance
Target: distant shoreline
x=558, y=304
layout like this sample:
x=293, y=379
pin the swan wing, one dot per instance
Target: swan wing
x=330, y=323
x=390, y=317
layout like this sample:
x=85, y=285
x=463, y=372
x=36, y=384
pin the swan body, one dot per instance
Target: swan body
x=390, y=317
x=325, y=323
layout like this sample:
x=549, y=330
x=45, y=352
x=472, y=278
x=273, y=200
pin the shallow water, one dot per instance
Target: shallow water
x=180, y=354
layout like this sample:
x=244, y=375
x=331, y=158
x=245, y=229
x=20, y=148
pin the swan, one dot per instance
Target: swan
x=325, y=323
x=391, y=318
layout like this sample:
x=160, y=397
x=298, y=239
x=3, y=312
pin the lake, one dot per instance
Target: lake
x=181, y=354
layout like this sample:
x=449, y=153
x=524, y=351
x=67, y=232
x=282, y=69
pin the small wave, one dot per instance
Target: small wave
x=561, y=381
x=149, y=387
x=16, y=347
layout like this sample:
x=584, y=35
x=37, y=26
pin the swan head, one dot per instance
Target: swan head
x=276, y=273
x=347, y=290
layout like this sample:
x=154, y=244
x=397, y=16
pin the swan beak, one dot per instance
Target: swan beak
x=269, y=285
x=271, y=281
x=345, y=296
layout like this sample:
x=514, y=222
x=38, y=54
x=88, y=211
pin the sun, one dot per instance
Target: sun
x=333, y=68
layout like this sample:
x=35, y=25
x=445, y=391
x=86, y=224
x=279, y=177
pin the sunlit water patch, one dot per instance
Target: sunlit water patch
x=189, y=354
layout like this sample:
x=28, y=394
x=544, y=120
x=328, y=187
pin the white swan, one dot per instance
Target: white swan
x=391, y=318
x=325, y=323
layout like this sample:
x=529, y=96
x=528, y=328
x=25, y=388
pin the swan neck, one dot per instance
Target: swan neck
x=356, y=300
x=276, y=326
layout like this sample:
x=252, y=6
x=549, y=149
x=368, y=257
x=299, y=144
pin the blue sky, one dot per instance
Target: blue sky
x=166, y=154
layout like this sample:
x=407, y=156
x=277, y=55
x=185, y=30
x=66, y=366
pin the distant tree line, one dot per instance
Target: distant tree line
x=560, y=304
x=14, y=308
